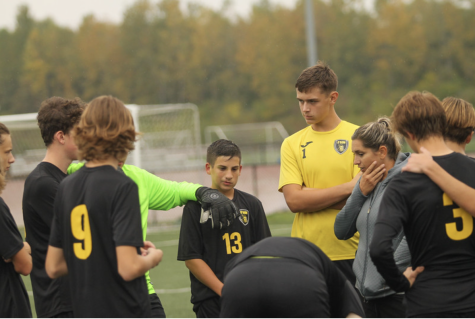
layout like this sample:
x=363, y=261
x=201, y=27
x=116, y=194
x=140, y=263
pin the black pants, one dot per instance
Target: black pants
x=393, y=306
x=346, y=267
x=446, y=315
x=208, y=308
x=67, y=314
x=156, y=307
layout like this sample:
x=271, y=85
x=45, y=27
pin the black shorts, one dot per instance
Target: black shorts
x=277, y=287
x=157, y=310
x=208, y=308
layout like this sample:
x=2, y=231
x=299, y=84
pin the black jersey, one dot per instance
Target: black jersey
x=439, y=235
x=14, y=302
x=215, y=246
x=286, y=277
x=96, y=210
x=52, y=297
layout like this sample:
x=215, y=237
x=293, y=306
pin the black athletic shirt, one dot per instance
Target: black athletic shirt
x=333, y=285
x=440, y=237
x=52, y=297
x=109, y=201
x=216, y=247
x=14, y=300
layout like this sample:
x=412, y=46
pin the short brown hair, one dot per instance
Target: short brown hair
x=3, y=130
x=375, y=134
x=319, y=75
x=421, y=114
x=222, y=147
x=460, y=119
x=106, y=129
x=58, y=114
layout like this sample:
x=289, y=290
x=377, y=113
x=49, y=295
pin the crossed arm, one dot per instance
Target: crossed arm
x=21, y=261
x=306, y=200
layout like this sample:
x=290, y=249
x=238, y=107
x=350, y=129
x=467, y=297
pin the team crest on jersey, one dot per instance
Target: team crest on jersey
x=341, y=146
x=244, y=218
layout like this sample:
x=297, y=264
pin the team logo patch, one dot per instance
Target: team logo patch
x=244, y=218
x=341, y=146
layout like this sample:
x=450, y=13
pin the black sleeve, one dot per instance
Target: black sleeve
x=260, y=226
x=393, y=213
x=55, y=238
x=10, y=238
x=126, y=218
x=190, y=245
x=343, y=296
x=42, y=198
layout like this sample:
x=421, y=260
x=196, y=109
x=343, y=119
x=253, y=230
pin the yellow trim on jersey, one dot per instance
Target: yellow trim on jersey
x=320, y=160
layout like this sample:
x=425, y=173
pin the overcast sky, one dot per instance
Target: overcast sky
x=70, y=12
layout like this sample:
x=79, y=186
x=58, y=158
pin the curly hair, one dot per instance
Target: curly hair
x=106, y=128
x=58, y=114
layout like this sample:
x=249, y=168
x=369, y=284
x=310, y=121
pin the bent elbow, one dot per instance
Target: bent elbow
x=129, y=272
x=295, y=207
x=23, y=269
x=52, y=272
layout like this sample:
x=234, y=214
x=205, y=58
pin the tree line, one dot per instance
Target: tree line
x=241, y=70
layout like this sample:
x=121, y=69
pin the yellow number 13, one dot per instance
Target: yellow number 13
x=81, y=231
x=237, y=242
x=467, y=222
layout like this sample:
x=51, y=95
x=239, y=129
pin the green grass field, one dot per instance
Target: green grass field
x=171, y=278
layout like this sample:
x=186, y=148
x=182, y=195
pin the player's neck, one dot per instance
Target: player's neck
x=58, y=158
x=103, y=162
x=436, y=146
x=228, y=193
x=459, y=148
x=327, y=124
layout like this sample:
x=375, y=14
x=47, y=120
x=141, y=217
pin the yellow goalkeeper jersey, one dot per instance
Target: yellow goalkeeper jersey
x=320, y=160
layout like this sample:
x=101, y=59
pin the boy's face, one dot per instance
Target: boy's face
x=70, y=146
x=315, y=105
x=6, y=152
x=224, y=173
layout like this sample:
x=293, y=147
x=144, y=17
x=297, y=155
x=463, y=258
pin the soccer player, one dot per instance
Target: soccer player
x=56, y=118
x=377, y=154
x=319, y=157
x=96, y=234
x=285, y=277
x=15, y=253
x=439, y=233
x=461, y=124
x=206, y=251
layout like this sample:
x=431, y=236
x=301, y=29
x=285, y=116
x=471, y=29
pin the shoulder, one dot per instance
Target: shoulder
x=192, y=206
x=297, y=136
x=5, y=213
x=238, y=194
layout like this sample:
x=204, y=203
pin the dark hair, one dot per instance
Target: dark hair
x=106, y=129
x=222, y=147
x=319, y=75
x=421, y=114
x=460, y=119
x=375, y=134
x=58, y=114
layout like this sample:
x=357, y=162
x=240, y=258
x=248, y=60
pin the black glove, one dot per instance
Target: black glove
x=216, y=206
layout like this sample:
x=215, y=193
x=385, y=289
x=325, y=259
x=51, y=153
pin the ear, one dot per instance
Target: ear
x=59, y=136
x=240, y=169
x=208, y=168
x=469, y=138
x=383, y=150
x=333, y=96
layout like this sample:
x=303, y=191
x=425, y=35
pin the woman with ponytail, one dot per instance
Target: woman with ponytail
x=377, y=154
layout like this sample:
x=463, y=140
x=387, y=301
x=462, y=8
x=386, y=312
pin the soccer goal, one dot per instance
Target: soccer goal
x=171, y=139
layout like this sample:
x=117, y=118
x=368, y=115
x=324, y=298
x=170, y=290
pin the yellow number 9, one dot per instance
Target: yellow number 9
x=81, y=231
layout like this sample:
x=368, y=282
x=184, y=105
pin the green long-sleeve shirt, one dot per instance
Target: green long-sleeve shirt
x=154, y=193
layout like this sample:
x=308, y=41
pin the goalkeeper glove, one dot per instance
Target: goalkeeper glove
x=217, y=207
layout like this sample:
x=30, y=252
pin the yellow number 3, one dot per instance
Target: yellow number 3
x=467, y=222
x=81, y=231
